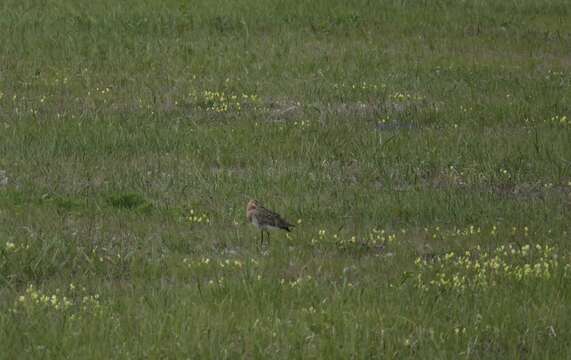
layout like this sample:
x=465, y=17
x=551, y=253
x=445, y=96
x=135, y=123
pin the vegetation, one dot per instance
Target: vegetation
x=423, y=149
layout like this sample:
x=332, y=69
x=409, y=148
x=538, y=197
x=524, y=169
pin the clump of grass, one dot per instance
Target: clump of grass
x=129, y=201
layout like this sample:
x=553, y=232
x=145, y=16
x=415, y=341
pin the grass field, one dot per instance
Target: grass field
x=423, y=148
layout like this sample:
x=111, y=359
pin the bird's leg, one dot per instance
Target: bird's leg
x=268, y=237
x=261, y=238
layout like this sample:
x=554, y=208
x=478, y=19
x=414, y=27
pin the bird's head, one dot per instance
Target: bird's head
x=252, y=205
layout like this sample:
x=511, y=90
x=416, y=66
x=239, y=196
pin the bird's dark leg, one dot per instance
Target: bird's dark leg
x=268, y=237
x=261, y=238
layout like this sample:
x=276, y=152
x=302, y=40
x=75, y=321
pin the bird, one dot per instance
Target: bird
x=265, y=219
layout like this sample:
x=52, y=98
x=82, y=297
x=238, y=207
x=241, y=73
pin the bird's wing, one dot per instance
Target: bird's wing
x=275, y=219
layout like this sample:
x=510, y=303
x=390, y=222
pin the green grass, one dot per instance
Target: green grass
x=421, y=146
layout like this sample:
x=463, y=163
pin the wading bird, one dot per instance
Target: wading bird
x=265, y=219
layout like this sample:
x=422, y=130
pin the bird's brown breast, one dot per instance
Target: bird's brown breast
x=249, y=215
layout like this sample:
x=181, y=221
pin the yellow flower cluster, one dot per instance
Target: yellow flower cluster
x=11, y=247
x=321, y=237
x=220, y=102
x=102, y=91
x=399, y=96
x=221, y=264
x=505, y=173
x=376, y=237
x=363, y=86
x=215, y=270
x=197, y=218
x=466, y=109
x=561, y=120
x=219, y=282
x=75, y=303
x=383, y=120
x=483, y=269
x=297, y=282
x=477, y=231
x=554, y=74
x=36, y=298
x=311, y=310
x=302, y=124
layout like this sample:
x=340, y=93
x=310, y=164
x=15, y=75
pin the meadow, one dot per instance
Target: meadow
x=422, y=148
